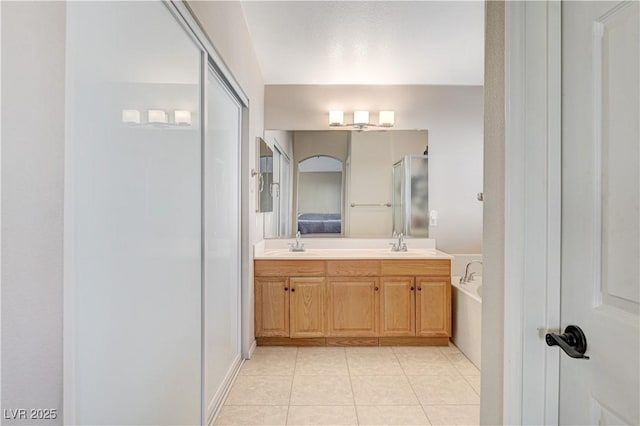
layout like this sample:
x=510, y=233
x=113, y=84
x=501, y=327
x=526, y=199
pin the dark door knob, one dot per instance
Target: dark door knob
x=573, y=341
x=293, y=290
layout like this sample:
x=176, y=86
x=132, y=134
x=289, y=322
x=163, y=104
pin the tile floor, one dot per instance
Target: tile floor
x=354, y=386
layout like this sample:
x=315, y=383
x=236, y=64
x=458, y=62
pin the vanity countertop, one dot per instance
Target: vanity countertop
x=348, y=249
x=351, y=254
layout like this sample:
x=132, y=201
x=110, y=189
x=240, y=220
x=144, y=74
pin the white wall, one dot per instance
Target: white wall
x=33, y=75
x=453, y=115
x=226, y=27
x=322, y=192
x=493, y=239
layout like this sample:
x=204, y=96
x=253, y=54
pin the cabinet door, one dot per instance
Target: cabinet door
x=433, y=307
x=307, y=307
x=272, y=307
x=352, y=307
x=397, y=306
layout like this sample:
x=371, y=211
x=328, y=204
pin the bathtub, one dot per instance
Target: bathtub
x=467, y=317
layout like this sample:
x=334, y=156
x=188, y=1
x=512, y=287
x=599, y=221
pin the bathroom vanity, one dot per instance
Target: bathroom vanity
x=352, y=297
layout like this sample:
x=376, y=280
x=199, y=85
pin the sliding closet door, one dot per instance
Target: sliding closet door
x=222, y=239
x=133, y=218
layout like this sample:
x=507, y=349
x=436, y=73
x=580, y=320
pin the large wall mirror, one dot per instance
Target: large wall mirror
x=343, y=183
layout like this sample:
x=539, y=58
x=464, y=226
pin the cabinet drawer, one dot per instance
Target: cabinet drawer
x=430, y=267
x=353, y=268
x=289, y=268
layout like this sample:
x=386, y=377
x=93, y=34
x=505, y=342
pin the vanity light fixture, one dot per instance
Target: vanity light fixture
x=182, y=118
x=361, y=119
x=157, y=116
x=131, y=116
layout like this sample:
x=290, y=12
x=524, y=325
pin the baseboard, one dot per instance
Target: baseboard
x=287, y=341
x=413, y=341
x=353, y=341
x=216, y=403
x=252, y=349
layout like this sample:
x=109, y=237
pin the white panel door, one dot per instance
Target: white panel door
x=221, y=240
x=600, y=211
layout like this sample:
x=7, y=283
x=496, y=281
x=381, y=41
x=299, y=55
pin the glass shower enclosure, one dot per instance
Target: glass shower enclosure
x=411, y=196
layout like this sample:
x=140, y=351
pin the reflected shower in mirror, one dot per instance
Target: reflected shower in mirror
x=320, y=195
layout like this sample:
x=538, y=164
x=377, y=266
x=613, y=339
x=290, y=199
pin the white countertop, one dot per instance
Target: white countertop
x=348, y=249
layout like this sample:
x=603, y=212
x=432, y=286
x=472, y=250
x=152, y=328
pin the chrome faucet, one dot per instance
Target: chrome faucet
x=468, y=277
x=400, y=245
x=298, y=246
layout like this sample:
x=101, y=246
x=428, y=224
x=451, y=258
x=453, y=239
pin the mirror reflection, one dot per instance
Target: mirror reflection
x=265, y=178
x=352, y=184
x=320, y=195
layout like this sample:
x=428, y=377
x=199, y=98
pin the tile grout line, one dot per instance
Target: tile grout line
x=293, y=377
x=353, y=394
x=474, y=389
x=410, y=385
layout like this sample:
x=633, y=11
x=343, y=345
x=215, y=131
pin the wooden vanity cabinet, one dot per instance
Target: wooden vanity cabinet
x=353, y=289
x=306, y=301
x=397, y=307
x=433, y=307
x=385, y=301
x=290, y=298
x=352, y=306
x=272, y=307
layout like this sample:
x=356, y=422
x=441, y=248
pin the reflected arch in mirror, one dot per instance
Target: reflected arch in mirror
x=320, y=184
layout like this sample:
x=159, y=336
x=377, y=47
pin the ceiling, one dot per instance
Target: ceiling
x=368, y=42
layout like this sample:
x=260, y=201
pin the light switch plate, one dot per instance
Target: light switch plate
x=433, y=218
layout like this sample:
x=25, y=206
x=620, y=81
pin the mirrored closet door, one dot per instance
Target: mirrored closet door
x=152, y=219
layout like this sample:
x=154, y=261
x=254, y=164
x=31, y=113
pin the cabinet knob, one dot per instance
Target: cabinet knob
x=411, y=288
x=292, y=290
x=286, y=289
x=419, y=288
x=376, y=288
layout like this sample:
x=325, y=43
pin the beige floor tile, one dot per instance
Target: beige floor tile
x=322, y=415
x=260, y=390
x=414, y=366
x=362, y=351
x=463, y=365
x=427, y=353
x=451, y=349
x=276, y=350
x=453, y=414
x=373, y=363
x=321, y=390
x=252, y=415
x=474, y=381
x=321, y=352
x=324, y=361
x=438, y=390
x=382, y=390
x=270, y=364
x=391, y=415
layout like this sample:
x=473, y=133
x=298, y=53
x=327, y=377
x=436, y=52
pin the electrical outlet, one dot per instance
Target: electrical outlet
x=433, y=218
